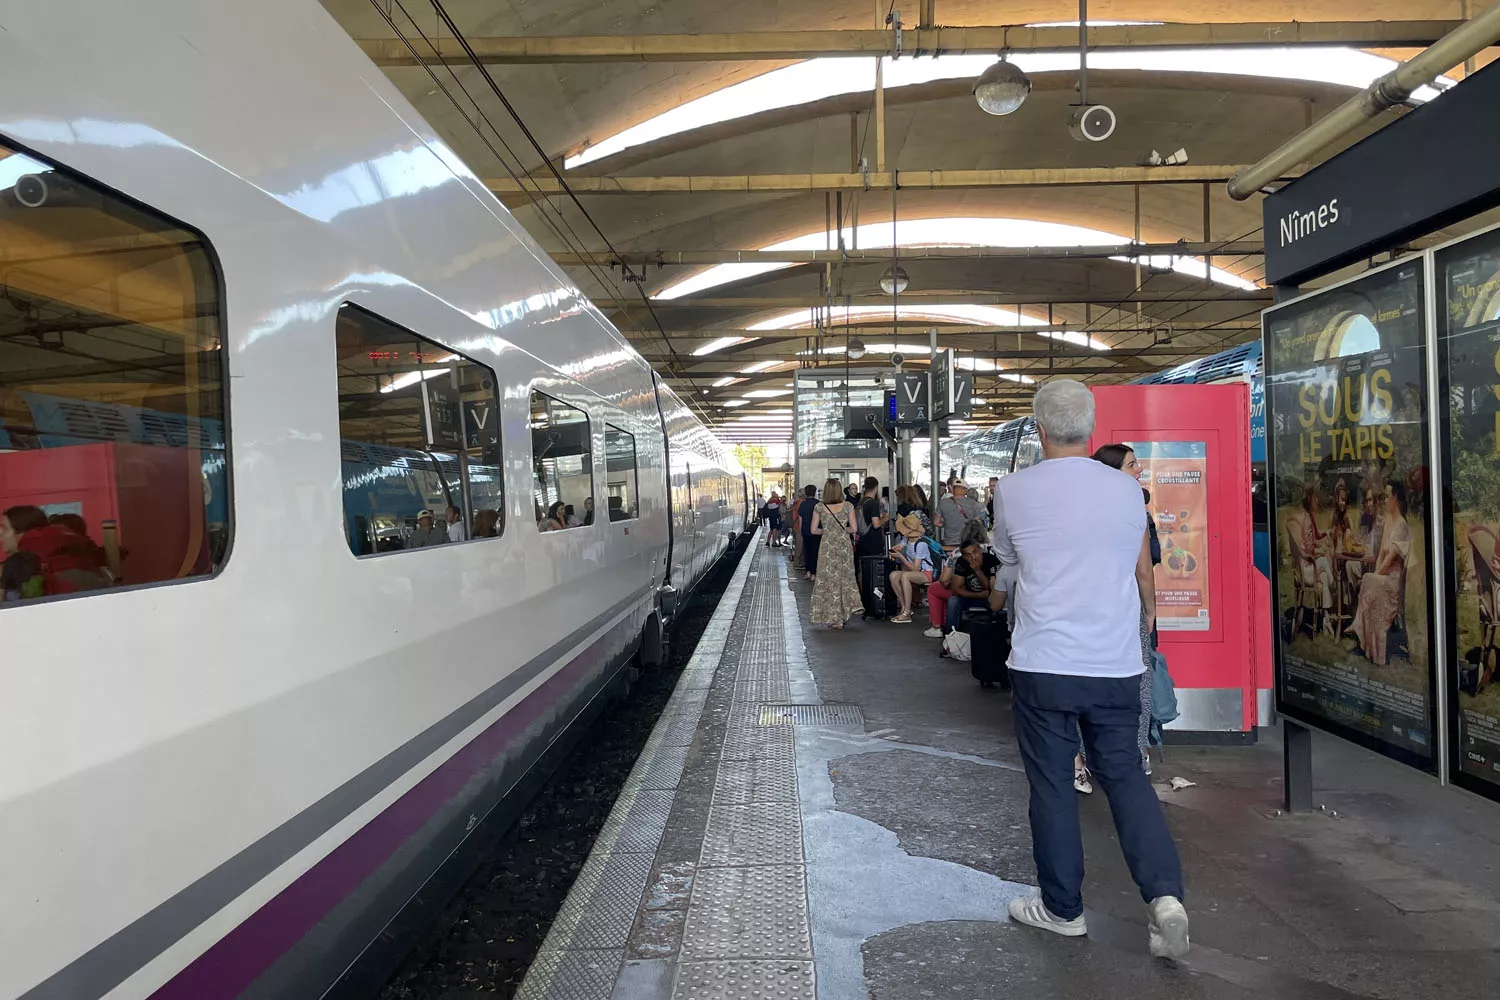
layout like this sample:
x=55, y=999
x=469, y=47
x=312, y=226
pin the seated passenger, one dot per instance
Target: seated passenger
x=453, y=524
x=79, y=527
x=913, y=559
x=974, y=571
x=588, y=511
x=427, y=532
x=487, y=524
x=21, y=577
x=570, y=518
x=616, y=512
x=70, y=563
x=557, y=517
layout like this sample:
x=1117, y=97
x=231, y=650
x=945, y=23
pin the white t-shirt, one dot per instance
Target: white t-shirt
x=1073, y=529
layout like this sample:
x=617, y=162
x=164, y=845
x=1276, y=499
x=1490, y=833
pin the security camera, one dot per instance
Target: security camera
x=32, y=190
x=1092, y=123
x=898, y=359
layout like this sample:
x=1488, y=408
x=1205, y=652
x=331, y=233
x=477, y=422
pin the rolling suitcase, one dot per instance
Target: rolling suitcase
x=989, y=646
x=873, y=585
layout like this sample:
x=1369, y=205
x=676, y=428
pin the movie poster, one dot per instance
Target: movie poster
x=1345, y=371
x=1469, y=354
x=1176, y=473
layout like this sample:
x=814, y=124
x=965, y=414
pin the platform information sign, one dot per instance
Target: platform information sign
x=1176, y=474
x=1347, y=438
x=1468, y=277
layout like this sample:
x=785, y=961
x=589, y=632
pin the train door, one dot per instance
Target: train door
x=689, y=524
x=1193, y=442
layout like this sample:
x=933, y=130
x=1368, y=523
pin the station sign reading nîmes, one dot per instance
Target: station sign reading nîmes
x=1434, y=166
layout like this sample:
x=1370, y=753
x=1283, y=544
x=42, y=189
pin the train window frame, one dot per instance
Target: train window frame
x=634, y=486
x=538, y=482
x=462, y=458
x=211, y=297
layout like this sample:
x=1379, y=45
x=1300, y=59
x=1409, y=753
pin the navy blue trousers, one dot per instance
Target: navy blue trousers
x=1050, y=711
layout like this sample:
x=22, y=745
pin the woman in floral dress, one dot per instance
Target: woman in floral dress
x=835, y=595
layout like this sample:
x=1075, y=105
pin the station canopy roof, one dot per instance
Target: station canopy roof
x=733, y=161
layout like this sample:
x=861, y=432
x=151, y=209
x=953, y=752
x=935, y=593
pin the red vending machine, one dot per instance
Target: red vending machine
x=1193, y=444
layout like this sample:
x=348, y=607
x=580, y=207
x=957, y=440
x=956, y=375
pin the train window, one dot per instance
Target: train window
x=562, y=457
x=113, y=465
x=419, y=430
x=619, y=473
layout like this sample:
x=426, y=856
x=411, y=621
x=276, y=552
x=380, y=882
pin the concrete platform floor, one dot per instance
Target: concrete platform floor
x=866, y=845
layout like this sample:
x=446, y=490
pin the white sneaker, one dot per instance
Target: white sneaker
x=1034, y=913
x=1168, y=928
x=933, y=633
x=1081, y=783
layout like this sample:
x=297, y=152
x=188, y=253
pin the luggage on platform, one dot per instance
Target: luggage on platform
x=875, y=590
x=989, y=648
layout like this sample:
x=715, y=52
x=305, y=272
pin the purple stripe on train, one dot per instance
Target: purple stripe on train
x=234, y=962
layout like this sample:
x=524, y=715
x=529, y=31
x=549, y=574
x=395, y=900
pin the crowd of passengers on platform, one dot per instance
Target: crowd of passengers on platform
x=941, y=551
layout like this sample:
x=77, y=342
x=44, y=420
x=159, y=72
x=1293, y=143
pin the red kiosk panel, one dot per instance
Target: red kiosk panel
x=1193, y=442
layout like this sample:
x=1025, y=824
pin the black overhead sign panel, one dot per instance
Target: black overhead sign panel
x=1436, y=165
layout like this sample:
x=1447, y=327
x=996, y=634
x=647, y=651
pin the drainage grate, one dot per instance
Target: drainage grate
x=830, y=716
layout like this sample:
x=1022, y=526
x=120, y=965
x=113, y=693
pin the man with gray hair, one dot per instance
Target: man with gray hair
x=1075, y=531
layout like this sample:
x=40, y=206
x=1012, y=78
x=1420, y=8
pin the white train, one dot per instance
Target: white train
x=255, y=317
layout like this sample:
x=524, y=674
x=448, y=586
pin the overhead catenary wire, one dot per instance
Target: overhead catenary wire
x=489, y=78
x=513, y=166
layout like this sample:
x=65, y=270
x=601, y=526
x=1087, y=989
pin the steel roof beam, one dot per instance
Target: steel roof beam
x=916, y=299
x=882, y=327
x=913, y=42
x=699, y=258
x=905, y=180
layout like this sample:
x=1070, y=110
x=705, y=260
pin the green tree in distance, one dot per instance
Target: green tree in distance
x=753, y=458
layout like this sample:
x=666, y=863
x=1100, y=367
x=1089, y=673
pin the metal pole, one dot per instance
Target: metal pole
x=1083, y=52
x=1296, y=762
x=1296, y=739
x=1441, y=548
x=935, y=456
x=1460, y=44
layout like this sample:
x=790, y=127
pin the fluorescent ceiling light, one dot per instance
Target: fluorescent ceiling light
x=818, y=79
x=736, y=402
x=412, y=378
x=997, y=316
x=767, y=393
x=730, y=380
x=947, y=232
x=718, y=345
x=760, y=366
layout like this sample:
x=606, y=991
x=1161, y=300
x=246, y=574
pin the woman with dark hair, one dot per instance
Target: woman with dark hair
x=69, y=562
x=1122, y=457
x=557, y=517
x=1382, y=589
x=909, y=502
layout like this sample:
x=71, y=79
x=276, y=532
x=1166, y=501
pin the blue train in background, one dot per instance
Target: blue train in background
x=1237, y=364
x=1012, y=446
